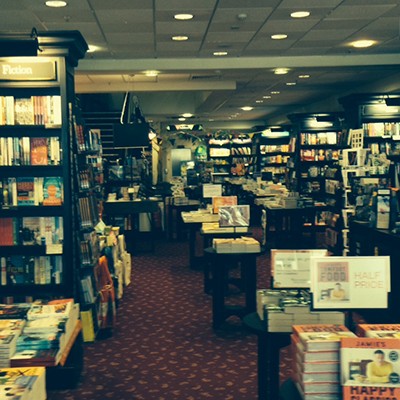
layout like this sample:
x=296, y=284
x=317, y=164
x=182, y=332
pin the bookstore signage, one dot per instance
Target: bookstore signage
x=350, y=282
x=11, y=70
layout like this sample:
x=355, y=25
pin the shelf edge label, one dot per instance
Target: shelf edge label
x=22, y=70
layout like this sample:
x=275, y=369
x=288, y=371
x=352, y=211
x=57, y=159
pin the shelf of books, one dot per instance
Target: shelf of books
x=36, y=231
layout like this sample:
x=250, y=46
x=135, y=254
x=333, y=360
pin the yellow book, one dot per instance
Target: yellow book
x=87, y=326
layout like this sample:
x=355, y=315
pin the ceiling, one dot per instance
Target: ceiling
x=135, y=35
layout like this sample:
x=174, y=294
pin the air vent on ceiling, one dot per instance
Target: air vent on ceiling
x=207, y=77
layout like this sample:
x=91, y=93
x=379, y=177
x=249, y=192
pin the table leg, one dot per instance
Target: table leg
x=250, y=283
x=192, y=245
x=218, y=298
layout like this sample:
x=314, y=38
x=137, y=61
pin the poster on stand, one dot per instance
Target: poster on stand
x=291, y=268
x=234, y=216
x=350, y=282
x=212, y=190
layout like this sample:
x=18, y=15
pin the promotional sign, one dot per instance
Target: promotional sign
x=234, y=216
x=19, y=69
x=212, y=190
x=291, y=268
x=221, y=201
x=350, y=282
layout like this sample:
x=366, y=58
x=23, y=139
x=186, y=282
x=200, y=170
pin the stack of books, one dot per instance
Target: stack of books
x=370, y=366
x=316, y=354
x=10, y=330
x=46, y=333
x=23, y=383
x=241, y=245
x=379, y=330
x=280, y=309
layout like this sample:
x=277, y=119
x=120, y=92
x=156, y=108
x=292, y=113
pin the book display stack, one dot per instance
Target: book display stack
x=240, y=245
x=10, y=330
x=316, y=350
x=280, y=309
x=23, y=383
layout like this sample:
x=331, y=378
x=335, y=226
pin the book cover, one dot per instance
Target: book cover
x=379, y=330
x=38, y=341
x=25, y=191
x=52, y=191
x=49, y=310
x=321, y=337
x=23, y=111
x=15, y=270
x=39, y=151
x=370, y=368
x=11, y=325
x=14, y=311
x=35, y=357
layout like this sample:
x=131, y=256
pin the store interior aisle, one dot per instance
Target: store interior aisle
x=163, y=346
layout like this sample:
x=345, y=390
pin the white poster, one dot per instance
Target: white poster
x=291, y=268
x=212, y=190
x=350, y=282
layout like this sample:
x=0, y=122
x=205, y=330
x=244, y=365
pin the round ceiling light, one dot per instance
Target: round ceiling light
x=183, y=17
x=246, y=108
x=304, y=76
x=180, y=38
x=56, y=3
x=300, y=14
x=281, y=71
x=362, y=44
x=279, y=36
x=187, y=115
x=220, y=53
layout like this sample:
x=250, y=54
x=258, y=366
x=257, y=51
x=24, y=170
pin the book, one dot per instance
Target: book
x=23, y=383
x=14, y=311
x=39, y=151
x=321, y=337
x=49, y=310
x=25, y=191
x=379, y=330
x=317, y=366
x=52, y=191
x=23, y=111
x=36, y=357
x=40, y=341
x=370, y=368
x=312, y=356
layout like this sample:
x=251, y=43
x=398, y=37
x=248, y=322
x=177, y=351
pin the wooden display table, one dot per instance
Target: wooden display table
x=268, y=360
x=219, y=263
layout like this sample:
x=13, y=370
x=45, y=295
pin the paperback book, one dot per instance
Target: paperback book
x=379, y=330
x=52, y=191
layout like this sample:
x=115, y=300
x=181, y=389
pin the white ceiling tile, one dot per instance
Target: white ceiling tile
x=285, y=26
x=356, y=12
x=181, y=28
x=138, y=39
x=303, y=4
x=246, y=3
x=327, y=34
x=184, y=5
x=122, y=16
x=228, y=37
x=230, y=14
x=119, y=4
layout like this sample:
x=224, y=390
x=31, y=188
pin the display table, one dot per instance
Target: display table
x=219, y=263
x=127, y=208
x=174, y=218
x=194, y=221
x=268, y=360
x=221, y=233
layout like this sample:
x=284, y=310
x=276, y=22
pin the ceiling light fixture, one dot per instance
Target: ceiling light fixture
x=281, y=71
x=182, y=119
x=93, y=48
x=300, y=14
x=246, y=108
x=259, y=101
x=275, y=92
x=56, y=3
x=151, y=73
x=362, y=44
x=183, y=17
x=290, y=83
x=180, y=38
x=266, y=97
x=279, y=36
x=187, y=115
x=305, y=76
x=220, y=53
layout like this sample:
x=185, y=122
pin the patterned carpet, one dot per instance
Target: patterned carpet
x=163, y=347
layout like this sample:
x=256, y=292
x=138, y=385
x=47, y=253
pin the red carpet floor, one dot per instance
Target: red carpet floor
x=163, y=346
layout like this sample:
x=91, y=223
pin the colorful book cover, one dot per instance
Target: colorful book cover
x=370, y=368
x=52, y=191
x=25, y=191
x=38, y=341
x=16, y=270
x=39, y=151
x=49, y=310
x=379, y=330
x=14, y=311
x=35, y=357
x=321, y=337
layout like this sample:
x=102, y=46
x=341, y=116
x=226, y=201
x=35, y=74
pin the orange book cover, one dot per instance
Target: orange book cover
x=379, y=330
x=39, y=151
x=370, y=368
x=321, y=337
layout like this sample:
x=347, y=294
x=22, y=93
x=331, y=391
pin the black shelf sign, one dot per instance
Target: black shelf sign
x=37, y=70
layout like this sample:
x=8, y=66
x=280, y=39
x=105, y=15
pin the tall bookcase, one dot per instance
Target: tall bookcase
x=37, y=218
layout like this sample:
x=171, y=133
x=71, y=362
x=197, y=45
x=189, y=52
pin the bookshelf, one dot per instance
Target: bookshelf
x=38, y=257
x=275, y=148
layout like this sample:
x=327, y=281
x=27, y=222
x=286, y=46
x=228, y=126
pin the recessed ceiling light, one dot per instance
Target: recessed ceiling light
x=220, y=53
x=259, y=101
x=56, y=3
x=246, y=108
x=279, y=36
x=151, y=73
x=275, y=92
x=181, y=119
x=180, y=38
x=281, y=71
x=304, y=76
x=187, y=115
x=290, y=83
x=183, y=17
x=360, y=44
x=266, y=97
x=300, y=14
